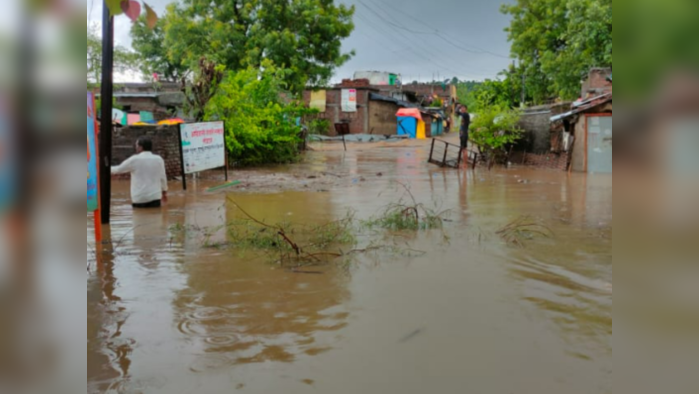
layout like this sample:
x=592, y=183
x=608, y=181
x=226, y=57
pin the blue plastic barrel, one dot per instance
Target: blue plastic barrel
x=407, y=126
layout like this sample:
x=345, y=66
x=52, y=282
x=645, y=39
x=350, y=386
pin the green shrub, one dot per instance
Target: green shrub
x=494, y=130
x=318, y=126
x=261, y=127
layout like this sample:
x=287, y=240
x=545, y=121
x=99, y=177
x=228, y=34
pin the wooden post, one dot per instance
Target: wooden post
x=225, y=149
x=179, y=139
x=587, y=141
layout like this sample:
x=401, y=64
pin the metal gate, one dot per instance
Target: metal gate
x=599, y=144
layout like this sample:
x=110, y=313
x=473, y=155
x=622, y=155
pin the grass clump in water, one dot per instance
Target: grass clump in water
x=400, y=217
x=523, y=229
x=408, y=216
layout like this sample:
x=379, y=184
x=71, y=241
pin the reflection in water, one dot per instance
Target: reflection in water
x=107, y=350
x=240, y=311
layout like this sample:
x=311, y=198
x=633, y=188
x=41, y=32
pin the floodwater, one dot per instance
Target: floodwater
x=471, y=315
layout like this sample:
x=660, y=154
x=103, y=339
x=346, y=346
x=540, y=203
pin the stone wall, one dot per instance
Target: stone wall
x=165, y=144
x=536, y=122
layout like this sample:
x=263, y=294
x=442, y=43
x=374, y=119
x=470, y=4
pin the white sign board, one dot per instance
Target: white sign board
x=349, y=100
x=203, y=146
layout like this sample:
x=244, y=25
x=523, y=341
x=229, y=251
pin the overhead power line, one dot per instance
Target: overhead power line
x=397, y=38
x=434, y=32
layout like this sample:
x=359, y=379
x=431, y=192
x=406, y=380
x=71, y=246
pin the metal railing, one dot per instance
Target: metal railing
x=445, y=154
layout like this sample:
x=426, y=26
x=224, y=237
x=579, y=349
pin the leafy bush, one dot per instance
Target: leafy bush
x=494, y=130
x=261, y=127
x=318, y=126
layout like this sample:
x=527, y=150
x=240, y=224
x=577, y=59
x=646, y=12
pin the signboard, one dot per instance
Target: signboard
x=349, y=100
x=319, y=100
x=92, y=156
x=203, y=147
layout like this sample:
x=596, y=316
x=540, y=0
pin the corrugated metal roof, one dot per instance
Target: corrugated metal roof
x=435, y=113
x=584, y=106
x=401, y=103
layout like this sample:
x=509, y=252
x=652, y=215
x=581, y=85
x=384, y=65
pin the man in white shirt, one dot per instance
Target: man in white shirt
x=148, y=176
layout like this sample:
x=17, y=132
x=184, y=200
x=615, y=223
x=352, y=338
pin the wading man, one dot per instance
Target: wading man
x=148, y=177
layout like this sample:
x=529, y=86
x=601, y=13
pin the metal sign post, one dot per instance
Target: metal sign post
x=105, y=136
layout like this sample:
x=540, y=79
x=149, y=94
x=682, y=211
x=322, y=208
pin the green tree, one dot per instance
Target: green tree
x=149, y=44
x=301, y=36
x=464, y=89
x=558, y=41
x=505, y=92
x=202, y=88
x=124, y=60
x=261, y=128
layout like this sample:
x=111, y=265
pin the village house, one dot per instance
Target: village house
x=372, y=108
x=571, y=136
x=147, y=102
x=585, y=132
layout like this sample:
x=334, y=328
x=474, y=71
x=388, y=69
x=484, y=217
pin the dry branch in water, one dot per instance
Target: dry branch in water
x=294, y=245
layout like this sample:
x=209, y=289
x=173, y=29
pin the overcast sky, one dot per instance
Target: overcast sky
x=418, y=39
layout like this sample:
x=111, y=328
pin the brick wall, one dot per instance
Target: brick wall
x=354, y=83
x=552, y=161
x=359, y=121
x=165, y=144
x=429, y=90
x=596, y=83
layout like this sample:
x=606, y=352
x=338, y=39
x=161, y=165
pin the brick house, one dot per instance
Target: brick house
x=376, y=106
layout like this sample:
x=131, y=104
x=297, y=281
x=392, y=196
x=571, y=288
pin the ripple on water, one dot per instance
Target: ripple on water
x=221, y=340
x=190, y=328
x=210, y=362
x=196, y=323
x=208, y=313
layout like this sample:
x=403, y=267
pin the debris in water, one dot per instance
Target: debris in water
x=412, y=335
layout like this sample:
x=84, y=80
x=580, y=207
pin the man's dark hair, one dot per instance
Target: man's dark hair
x=146, y=144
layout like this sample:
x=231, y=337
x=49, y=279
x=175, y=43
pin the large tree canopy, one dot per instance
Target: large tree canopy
x=558, y=41
x=302, y=36
x=155, y=57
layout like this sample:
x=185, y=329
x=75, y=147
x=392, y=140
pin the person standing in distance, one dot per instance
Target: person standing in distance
x=148, y=176
x=465, y=126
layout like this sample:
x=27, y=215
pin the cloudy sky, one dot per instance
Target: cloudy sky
x=419, y=39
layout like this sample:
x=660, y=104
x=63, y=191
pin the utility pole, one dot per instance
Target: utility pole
x=107, y=93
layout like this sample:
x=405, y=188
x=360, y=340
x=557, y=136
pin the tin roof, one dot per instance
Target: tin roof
x=584, y=106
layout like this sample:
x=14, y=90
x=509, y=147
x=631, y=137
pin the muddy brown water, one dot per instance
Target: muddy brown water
x=471, y=315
